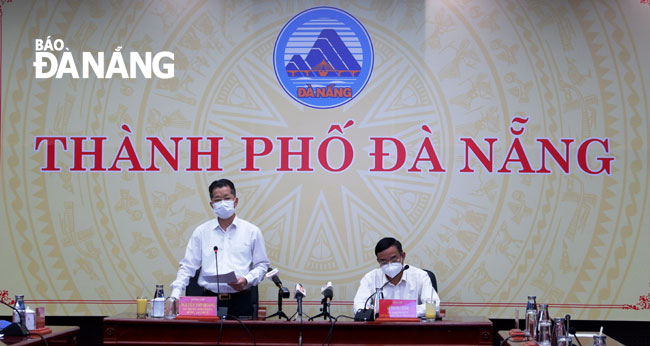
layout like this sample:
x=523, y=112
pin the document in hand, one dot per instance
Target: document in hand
x=223, y=278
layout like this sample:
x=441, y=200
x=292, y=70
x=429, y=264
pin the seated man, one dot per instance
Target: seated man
x=240, y=249
x=413, y=283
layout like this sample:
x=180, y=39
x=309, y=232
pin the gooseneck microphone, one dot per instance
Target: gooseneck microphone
x=15, y=329
x=221, y=312
x=573, y=331
x=366, y=314
x=365, y=306
x=216, y=261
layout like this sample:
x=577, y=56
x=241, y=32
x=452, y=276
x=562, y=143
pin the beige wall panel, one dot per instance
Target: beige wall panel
x=575, y=69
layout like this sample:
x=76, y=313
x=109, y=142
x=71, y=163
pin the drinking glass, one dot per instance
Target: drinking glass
x=430, y=309
x=171, y=308
x=141, y=307
x=559, y=328
x=531, y=324
x=600, y=340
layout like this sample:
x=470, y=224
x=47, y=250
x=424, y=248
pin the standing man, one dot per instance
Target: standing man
x=413, y=283
x=240, y=250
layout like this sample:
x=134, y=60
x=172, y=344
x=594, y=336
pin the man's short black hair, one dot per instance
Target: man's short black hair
x=387, y=242
x=221, y=183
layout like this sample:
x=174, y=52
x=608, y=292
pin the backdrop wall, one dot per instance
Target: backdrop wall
x=456, y=145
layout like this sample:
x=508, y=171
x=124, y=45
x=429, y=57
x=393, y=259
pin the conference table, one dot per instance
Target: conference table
x=126, y=329
x=584, y=340
x=60, y=336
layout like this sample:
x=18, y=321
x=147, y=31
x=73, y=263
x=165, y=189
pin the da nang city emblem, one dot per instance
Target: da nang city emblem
x=323, y=57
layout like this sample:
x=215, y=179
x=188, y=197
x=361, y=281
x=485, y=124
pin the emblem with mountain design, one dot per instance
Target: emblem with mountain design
x=329, y=56
x=326, y=55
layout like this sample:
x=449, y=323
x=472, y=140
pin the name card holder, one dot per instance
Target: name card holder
x=394, y=310
x=198, y=308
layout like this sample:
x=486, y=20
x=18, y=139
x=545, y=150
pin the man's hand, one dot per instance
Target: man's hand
x=239, y=285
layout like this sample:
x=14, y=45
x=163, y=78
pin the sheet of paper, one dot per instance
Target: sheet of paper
x=223, y=278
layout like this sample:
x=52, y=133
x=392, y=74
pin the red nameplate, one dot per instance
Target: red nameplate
x=398, y=308
x=197, y=318
x=517, y=335
x=41, y=331
x=198, y=307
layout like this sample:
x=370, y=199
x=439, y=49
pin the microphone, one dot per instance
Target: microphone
x=273, y=275
x=15, y=329
x=384, y=285
x=328, y=294
x=283, y=292
x=299, y=293
x=572, y=330
x=366, y=314
x=327, y=291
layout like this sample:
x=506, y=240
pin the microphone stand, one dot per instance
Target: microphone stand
x=280, y=313
x=325, y=310
x=299, y=311
x=299, y=307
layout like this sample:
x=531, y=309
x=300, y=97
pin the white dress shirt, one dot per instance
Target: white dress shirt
x=241, y=249
x=415, y=284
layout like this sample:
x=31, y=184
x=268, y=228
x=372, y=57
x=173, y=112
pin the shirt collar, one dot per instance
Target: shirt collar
x=234, y=225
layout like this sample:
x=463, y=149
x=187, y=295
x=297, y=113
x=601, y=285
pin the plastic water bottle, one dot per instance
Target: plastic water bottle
x=379, y=295
x=158, y=303
x=19, y=316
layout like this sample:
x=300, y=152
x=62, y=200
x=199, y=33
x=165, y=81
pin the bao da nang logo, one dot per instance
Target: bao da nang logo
x=323, y=57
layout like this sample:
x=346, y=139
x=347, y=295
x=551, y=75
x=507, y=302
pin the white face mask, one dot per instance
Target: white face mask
x=391, y=269
x=224, y=209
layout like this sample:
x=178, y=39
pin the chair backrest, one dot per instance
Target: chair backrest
x=432, y=276
x=255, y=300
x=193, y=288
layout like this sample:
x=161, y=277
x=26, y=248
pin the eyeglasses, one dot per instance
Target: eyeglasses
x=393, y=259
